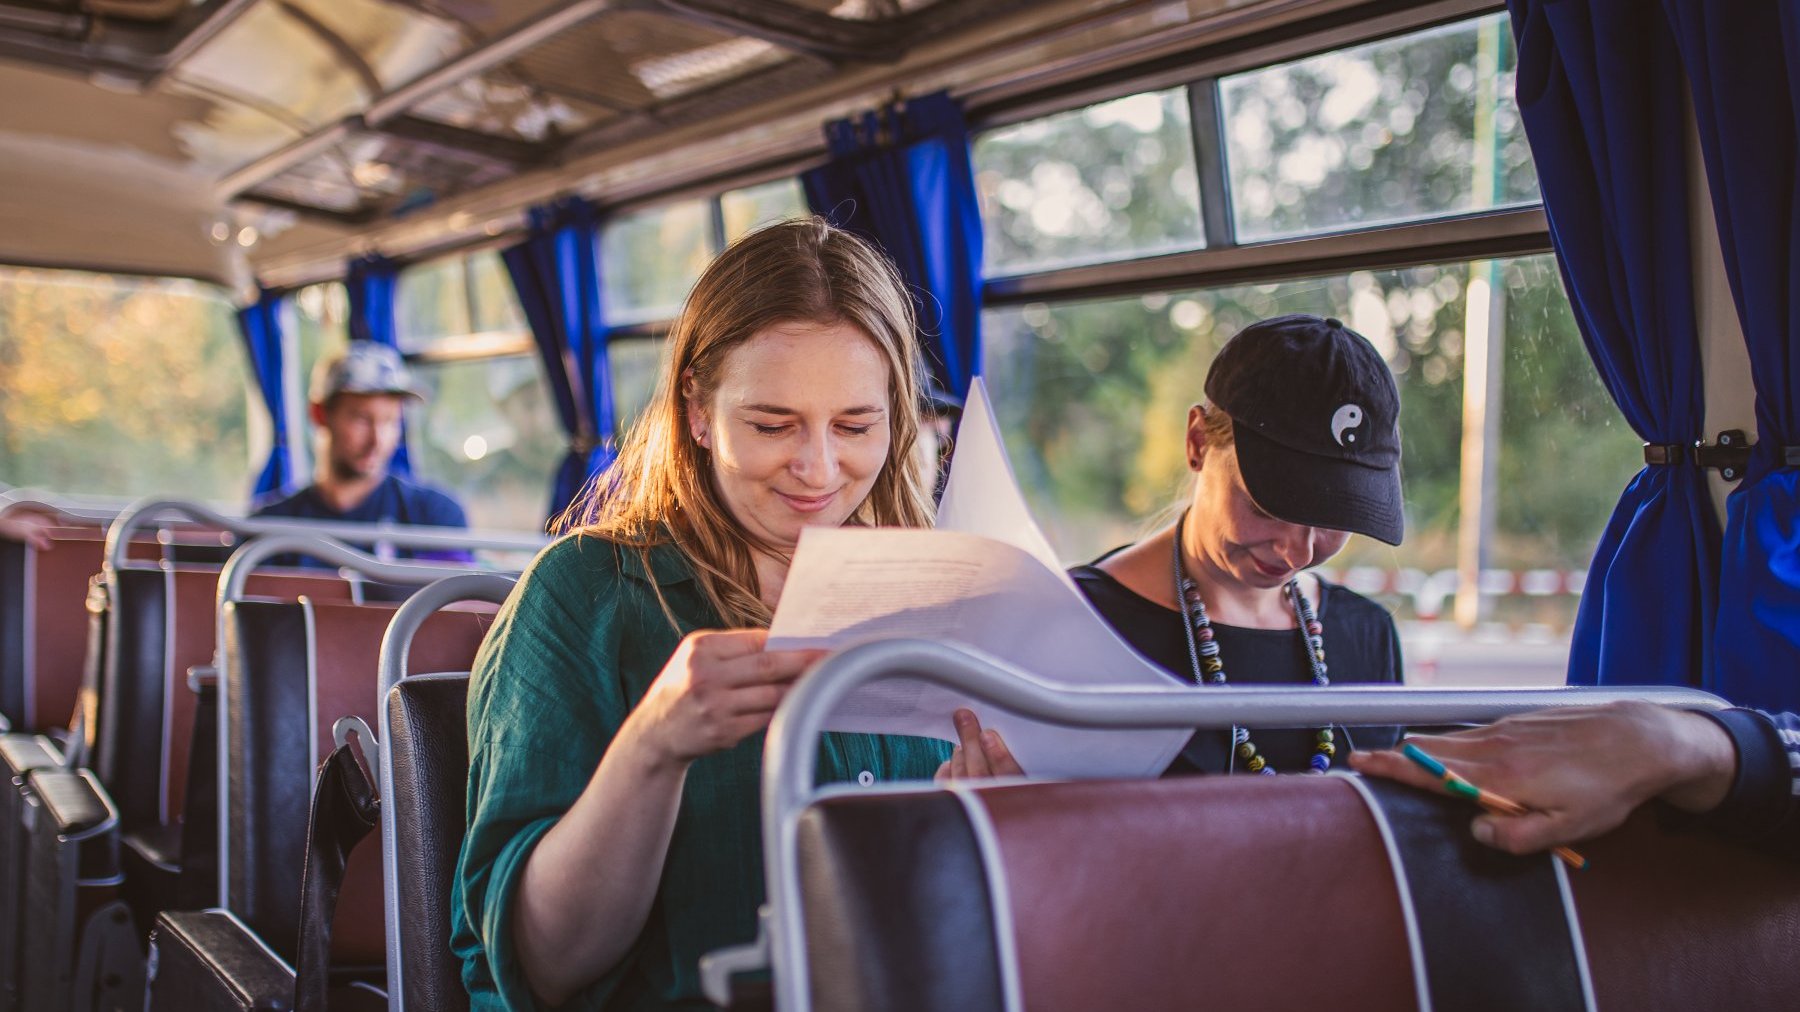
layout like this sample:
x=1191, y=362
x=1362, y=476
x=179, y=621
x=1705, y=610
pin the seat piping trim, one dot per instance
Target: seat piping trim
x=1575, y=937
x=1415, y=946
x=1005, y=940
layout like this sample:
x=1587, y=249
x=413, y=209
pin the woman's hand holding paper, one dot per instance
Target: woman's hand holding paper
x=980, y=754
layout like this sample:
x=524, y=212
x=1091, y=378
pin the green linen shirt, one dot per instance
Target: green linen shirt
x=571, y=652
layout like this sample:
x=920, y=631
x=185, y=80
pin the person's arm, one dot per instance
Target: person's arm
x=1580, y=771
x=568, y=825
x=1762, y=805
x=28, y=528
x=576, y=917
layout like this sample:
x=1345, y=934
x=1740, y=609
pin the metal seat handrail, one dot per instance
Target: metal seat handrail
x=396, y=643
x=95, y=510
x=147, y=511
x=791, y=748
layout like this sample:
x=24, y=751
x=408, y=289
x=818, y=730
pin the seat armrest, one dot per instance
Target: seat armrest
x=22, y=753
x=208, y=961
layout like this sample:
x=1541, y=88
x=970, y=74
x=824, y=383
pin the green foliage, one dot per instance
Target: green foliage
x=116, y=386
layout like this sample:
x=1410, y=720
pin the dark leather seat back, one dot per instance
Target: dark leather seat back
x=429, y=743
x=1265, y=892
x=165, y=623
x=292, y=671
x=43, y=625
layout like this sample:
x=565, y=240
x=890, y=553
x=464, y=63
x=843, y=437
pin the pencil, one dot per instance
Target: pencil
x=1486, y=799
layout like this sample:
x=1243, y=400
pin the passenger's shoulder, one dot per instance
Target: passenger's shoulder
x=1344, y=605
x=278, y=504
x=575, y=561
x=433, y=505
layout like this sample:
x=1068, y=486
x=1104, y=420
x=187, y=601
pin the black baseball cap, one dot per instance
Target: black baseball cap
x=1316, y=417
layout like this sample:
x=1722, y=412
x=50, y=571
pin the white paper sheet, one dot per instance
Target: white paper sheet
x=986, y=578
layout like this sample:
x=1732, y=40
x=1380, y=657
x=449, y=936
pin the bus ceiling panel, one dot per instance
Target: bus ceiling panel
x=632, y=60
x=318, y=61
x=72, y=205
x=373, y=174
x=134, y=46
x=507, y=108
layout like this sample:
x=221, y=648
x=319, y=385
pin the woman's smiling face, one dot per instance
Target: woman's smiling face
x=797, y=431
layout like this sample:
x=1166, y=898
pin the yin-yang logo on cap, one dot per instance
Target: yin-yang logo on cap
x=1344, y=422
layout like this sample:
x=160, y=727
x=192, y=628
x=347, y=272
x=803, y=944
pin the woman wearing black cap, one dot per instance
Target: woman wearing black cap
x=1297, y=447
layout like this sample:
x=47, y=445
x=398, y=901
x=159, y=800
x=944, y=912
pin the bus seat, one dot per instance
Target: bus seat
x=21, y=754
x=43, y=625
x=76, y=946
x=1268, y=892
x=207, y=961
x=428, y=745
x=148, y=720
x=291, y=671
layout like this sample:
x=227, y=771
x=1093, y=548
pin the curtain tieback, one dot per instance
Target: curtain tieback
x=1729, y=454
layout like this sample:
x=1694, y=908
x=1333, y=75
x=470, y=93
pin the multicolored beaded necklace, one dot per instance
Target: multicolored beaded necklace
x=1203, y=654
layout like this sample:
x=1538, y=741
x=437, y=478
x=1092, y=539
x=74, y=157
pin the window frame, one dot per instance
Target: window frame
x=1516, y=230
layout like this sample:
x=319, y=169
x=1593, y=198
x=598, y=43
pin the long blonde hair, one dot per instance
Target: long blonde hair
x=660, y=489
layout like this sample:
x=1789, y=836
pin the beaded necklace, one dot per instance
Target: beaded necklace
x=1203, y=655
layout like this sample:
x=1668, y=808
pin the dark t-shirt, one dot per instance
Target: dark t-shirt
x=396, y=501
x=1361, y=645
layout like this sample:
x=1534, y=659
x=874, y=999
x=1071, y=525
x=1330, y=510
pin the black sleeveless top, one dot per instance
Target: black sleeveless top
x=1361, y=645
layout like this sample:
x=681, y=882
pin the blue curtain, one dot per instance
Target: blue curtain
x=260, y=324
x=556, y=271
x=1601, y=104
x=370, y=284
x=901, y=177
x=1737, y=56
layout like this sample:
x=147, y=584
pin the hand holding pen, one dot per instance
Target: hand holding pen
x=1571, y=773
x=1486, y=799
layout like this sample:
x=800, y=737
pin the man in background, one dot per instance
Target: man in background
x=357, y=400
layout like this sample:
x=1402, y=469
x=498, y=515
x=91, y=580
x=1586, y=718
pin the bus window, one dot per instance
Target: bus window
x=488, y=435
x=487, y=432
x=1112, y=180
x=121, y=386
x=649, y=258
x=1405, y=128
x=316, y=323
x=633, y=361
x=1092, y=397
x=745, y=209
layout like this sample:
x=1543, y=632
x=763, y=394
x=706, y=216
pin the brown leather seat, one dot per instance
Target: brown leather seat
x=163, y=622
x=1270, y=892
x=294, y=670
x=43, y=626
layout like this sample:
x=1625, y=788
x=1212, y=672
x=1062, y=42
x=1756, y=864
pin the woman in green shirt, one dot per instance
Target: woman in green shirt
x=617, y=709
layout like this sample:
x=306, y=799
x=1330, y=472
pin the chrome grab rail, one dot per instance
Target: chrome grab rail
x=147, y=511
x=397, y=642
x=791, y=748
x=395, y=645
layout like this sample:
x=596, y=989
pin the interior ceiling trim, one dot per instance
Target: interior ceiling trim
x=672, y=145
